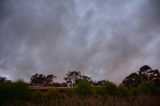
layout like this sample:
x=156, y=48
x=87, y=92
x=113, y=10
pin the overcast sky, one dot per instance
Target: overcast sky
x=104, y=39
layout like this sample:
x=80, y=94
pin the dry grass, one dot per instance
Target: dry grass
x=94, y=101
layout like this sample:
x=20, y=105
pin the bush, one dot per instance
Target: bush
x=20, y=90
x=111, y=89
x=123, y=91
x=5, y=91
x=84, y=88
x=13, y=91
x=148, y=88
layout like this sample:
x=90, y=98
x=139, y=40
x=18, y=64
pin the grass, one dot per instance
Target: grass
x=93, y=101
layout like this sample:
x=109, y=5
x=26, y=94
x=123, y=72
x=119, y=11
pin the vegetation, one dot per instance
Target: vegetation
x=42, y=80
x=72, y=77
x=93, y=101
x=14, y=91
x=145, y=73
x=134, y=90
x=84, y=88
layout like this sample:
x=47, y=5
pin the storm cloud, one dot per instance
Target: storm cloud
x=104, y=39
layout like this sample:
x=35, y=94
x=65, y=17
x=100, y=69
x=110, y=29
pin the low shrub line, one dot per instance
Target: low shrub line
x=20, y=91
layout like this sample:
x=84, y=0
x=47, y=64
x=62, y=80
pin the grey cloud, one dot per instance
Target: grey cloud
x=104, y=39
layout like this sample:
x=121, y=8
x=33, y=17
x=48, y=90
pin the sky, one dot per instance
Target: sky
x=104, y=39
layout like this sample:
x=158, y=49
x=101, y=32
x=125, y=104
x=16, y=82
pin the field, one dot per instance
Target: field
x=20, y=94
x=93, y=101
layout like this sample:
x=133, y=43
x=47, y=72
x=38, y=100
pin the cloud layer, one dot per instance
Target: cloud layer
x=105, y=39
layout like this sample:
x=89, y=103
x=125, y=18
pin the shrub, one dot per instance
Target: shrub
x=20, y=90
x=84, y=88
x=13, y=91
x=123, y=91
x=5, y=91
x=148, y=88
x=111, y=89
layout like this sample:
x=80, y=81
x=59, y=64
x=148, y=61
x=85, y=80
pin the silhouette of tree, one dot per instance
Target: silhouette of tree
x=84, y=77
x=41, y=80
x=2, y=79
x=49, y=79
x=144, y=69
x=100, y=83
x=154, y=75
x=37, y=79
x=145, y=73
x=132, y=80
x=72, y=77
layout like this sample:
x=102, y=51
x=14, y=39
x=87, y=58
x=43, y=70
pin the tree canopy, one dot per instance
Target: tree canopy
x=145, y=73
x=41, y=80
x=73, y=77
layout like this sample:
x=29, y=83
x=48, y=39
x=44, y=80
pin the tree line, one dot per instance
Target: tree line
x=146, y=81
x=72, y=78
x=145, y=73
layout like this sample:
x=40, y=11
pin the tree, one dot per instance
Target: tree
x=37, y=79
x=40, y=79
x=145, y=73
x=154, y=75
x=100, y=83
x=132, y=80
x=49, y=79
x=144, y=69
x=72, y=77
x=2, y=79
x=84, y=77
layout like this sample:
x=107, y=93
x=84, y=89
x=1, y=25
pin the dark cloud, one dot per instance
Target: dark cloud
x=104, y=39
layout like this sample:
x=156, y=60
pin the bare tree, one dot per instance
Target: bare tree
x=49, y=79
x=72, y=77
